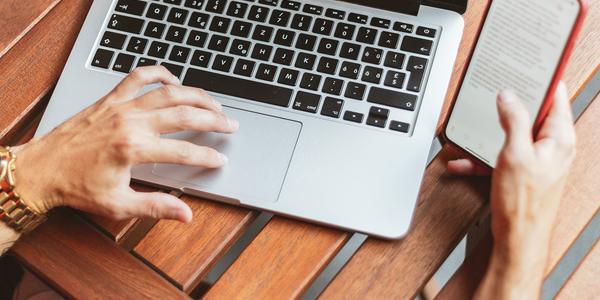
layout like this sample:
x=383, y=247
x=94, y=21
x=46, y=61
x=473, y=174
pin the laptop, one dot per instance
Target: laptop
x=338, y=101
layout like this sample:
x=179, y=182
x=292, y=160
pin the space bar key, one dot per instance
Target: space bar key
x=237, y=87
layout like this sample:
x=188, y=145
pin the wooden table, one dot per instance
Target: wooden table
x=85, y=256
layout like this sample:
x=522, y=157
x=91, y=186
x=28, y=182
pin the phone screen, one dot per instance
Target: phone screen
x=520, y=47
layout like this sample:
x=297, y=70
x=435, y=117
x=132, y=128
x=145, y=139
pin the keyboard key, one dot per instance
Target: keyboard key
x=357, y=18
x=323, y=26
x=327, y=65
x=301, y=22
x=335, y=14
x=222, y=63
x=244, y=67
x=292, y=5
x=195, y=4
x=372, y=55
x=175, y=34
x=378, y=117
x=262, y=33
x=389, y=40
x=306, y=42
x=126, y=23
x=305, y=61
x=332, y=107
x=241, y=29
x=355, y=91
x=266, y=72
x=197, y=38
x=158, y=49
x=199, y=20
x=394, y=79
x=269, y=2
x=306, y=102
x=416, y=45
x=310, y=81
x=262, y=52
x=102, y=58
x=353, y=116
x=283, y=56
x=113, y=40
x=238, y=87
x=424, y=31
x=156, y=11
x=177, y=15
x=394, y=60
x=349, y=70
x=416, y=66
x=344, y=31
x=179, y=54
x=144, y=62
x=201, y=58
x=216, y=6
x=134, y=7
x=123, y=63
x=258, y=13
x=399, y=126
x=137, y=45
x=174, y=69
x=237, y=9
x=350, y=51
x=280, y=18
x=328, y=46
x=313, y=9
x=288, y=77
x=174, y=2
x=376, y=122
x=379, y=22
x=392, y=98
x=284, y=37
x=333, y=86
x=403, y=27
x=154, y=30
x=220, y=24
x=218, y=43
x=366, y=35
x=240, y=47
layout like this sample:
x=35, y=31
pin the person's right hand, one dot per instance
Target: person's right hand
x=86, y=162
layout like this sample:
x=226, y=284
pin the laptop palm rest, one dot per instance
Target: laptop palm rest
x=259, y=156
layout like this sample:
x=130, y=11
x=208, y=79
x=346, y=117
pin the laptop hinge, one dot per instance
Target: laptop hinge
x=410, y=7
x=459, y=6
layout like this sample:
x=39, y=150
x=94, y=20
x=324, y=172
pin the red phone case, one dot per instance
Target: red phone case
x=549, y=99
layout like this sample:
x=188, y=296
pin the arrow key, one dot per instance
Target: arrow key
x=137, y=45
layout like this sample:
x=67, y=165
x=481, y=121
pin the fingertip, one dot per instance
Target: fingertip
x=185, y=214
x=460, y=167
x=234, y=125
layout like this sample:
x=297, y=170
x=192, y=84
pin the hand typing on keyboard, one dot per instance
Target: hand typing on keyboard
x=86, y=162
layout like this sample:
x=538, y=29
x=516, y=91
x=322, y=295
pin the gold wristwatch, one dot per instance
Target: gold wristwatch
x=14, y=212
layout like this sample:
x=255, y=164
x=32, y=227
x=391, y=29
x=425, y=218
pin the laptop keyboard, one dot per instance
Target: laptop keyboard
x=309, y=58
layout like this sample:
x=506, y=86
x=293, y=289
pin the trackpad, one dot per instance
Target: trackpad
x=259, y=156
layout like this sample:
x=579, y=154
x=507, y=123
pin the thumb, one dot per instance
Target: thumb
x=515, y=119
x=158, y=206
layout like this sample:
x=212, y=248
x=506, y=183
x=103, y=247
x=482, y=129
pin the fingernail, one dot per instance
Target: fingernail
x=223, y=158
x=233, y=124
x=507, y=96
x=217, y=104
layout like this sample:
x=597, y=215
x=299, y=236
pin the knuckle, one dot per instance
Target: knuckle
x=170, y=92
x=184, y=154
x=185, y=116
x=137, y=74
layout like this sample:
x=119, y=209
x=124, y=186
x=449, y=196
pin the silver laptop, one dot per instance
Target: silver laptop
x=337, y=101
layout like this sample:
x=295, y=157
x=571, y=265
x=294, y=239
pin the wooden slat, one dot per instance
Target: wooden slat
x=83, y=264
x=584, y=282
x=186, y=252
x=281, y=262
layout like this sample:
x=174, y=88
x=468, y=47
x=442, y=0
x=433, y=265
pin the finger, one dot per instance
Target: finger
x=174, y=95
x=182, y=118
x=140, y=77
x=514, y=119
x=466, y=167
x=179, y=152
x=158, y=206
x=559, y=123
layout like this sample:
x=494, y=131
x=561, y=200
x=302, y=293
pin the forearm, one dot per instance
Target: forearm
x=7, y=238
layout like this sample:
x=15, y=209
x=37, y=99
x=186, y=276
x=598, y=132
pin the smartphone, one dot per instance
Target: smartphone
x=523, y=46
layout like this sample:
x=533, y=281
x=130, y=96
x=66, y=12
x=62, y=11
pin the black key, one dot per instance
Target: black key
x=137, y=45
x=197, y=38
x=144, y=62
x=332, y=107
x=222, y=63
x=241, y=29
x=416, y=45
x=174, y=69
x=154, y=30
x=313, y=9
x=349, y=70
x=350, y=51
x=403, y=27
x=220, y=24
x=196, y=4
x=366, y=35
x=258, y=13
x=179, y=54
x=174, y=2
x=310, y=81
x=283, y=56
x=269, y=2
x=327, y=65
x=416, y=66
x=372, y=55
x=244, y=67
x=323, y=26
x=376, y=122
x=134, y=7
x=288, y=4
x=177, y=15
x=175, y=34
x=262, y=52
x=306, y=102
x=399, y=126
x=102, y=58
x=201, y=58
x=424, y=31
x=301, y=22
x=333, y=86
x=392, y=98
x=306, y=61
x=389, y=39
x=353, y=116
x=394, y=79
x=328, y=46
x=218, y=43
x=237, y=9
x=372, y=75
x=240, y=47
x=335, y=14
x=113, y=40
x=156, y=11
x=379, y=22
x=126, y=23
x=284, y=37
x=355, y=90
x=344, y=31
x=216, y=6
x=394, y=60
x=306, y=42
x=199, y=20
x=266, y=72
x=379, y=112
x=288, y=77
x=280, y=17
x=158, y=49
x=238, y=87
x=123, y=63
x=357, y=18
x=262, y=33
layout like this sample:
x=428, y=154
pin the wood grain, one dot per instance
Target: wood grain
x=281, y=262
x=186, y=252
x=583, y=283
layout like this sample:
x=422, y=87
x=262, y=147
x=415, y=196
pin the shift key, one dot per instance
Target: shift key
x=392, y=98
